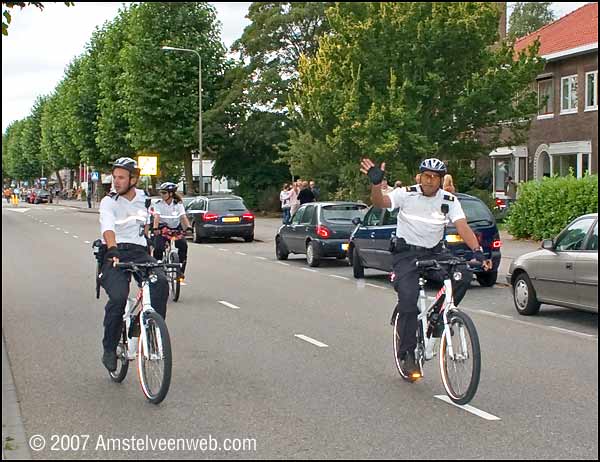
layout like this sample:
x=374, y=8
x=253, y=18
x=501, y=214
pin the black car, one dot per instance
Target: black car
x=42, y=196
x=319, y=230
x=220, y=216
x=370, y=242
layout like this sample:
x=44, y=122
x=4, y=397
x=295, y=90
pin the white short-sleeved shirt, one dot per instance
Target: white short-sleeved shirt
x=126, y=218
x=420, y=218
x=170, y=214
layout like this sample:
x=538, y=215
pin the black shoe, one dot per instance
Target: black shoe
x=109, y=359
x=408, y=366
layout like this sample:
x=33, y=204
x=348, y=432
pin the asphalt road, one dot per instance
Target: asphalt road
x=241, y=371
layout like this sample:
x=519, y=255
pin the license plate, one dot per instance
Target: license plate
x=231, y=220
x=345, y=247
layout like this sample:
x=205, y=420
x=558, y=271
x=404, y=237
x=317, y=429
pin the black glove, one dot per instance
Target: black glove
x=111, y=253
x=478, y=255
x=375, y=174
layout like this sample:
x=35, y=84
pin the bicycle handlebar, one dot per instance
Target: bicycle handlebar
x=138, y=266
x=436, y=264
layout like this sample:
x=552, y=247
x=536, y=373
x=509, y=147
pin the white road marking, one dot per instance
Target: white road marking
x=570, y=331
x=45, y=223
x=311, y=340
x=496, y=315
x=87, y=242
x=284, y=264
x=262, y=258
x=76, y=237
x=66, y=232
x=339, y=277
x=469, y=408
x=308, y=269
x=210, y=246
x=16, y=210
x=241, y=253
x=376, y=286
x=224, y=250
x=57, y=229
x=230, y=305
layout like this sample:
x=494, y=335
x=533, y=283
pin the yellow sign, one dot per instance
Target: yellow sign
x=148, y=165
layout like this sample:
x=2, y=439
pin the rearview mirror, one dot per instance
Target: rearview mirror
x=548, y=244
x=356, y=221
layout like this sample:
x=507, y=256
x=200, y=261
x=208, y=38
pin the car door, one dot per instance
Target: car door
x=555, y=271
x=586, y=272
x=368, y=251
x=383, y=234
x=291, y=236
x=305, y=228
x=194, y=212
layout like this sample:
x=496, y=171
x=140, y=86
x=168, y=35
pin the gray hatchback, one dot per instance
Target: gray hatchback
x=563, y=272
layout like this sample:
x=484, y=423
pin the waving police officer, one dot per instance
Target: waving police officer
x=419, y=235
x=122, y=218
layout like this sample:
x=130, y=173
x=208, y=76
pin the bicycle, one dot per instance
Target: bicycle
x=145, y=338
x=171, y=256
x=459, y=350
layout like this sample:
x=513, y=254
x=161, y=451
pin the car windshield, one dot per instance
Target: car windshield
x=343, y=213
x=476, y=212
x=226, y=205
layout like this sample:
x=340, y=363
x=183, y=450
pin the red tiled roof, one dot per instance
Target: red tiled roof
x=578, y=28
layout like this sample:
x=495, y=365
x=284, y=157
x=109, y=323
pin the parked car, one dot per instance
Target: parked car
x=42, y=196
x=563, y=272
x=220, y=216
x=319, y=230
x=370, y=241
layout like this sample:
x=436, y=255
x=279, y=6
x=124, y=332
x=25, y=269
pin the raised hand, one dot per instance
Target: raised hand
x=374, y=173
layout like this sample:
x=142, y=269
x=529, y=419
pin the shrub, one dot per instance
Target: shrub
x=545, y=207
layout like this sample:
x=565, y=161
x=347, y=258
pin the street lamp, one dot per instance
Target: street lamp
x=199, y=104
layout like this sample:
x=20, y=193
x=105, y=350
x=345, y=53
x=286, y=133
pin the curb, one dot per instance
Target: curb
x=14, y=439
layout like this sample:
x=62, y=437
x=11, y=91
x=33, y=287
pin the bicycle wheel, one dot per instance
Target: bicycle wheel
x=119, y=374
x=174, y=277
x=460, y=373
x=154, y=365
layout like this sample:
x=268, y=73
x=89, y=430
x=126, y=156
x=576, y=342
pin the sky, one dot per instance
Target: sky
x=40, y=44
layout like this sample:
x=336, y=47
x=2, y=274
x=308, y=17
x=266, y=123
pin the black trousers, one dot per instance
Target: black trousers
x=181, y=244
x=116, y=284
x=406, y=284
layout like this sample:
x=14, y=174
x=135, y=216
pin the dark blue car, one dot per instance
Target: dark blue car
x=370, y=241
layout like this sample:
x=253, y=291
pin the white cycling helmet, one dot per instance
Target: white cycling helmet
x=433, y=165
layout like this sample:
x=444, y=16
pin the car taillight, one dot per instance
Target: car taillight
x=248, y=216
x=210, y=216
x=499, y=202
x=496, y=244
x=323, y=232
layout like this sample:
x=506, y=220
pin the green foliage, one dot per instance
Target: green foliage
x=545, y=207
x=399, y=82
x=528, y=17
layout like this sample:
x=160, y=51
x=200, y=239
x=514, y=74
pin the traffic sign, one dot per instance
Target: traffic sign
x=95, y=176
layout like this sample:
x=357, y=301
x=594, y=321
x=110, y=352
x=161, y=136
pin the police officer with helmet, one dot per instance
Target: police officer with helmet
x=419, y=235
x=122, y=217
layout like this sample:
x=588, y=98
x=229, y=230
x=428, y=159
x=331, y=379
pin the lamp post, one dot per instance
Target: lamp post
x=199, y=105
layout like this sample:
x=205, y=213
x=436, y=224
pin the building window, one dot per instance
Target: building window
x=568, y=98
x=545, y=97
x=591, y=91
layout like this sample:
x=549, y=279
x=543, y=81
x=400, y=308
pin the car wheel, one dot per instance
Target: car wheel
x=357, y=268
x=249, y=238
x=487, y=279
x=524, y=296
x=196, y=235
x=281, y=251
x=313, y=257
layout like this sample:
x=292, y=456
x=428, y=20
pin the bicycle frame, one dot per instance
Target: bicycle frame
x=136, y=307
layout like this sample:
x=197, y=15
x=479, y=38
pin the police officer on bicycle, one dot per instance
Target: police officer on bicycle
x=123, y=215
x=419, y=235
x=169, y=212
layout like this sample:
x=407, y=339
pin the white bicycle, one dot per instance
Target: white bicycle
x=145, y=337
x=443, y=329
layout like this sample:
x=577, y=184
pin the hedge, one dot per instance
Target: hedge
x=545, y=207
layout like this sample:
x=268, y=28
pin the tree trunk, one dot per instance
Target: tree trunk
x=60, y=182
x=191, y=187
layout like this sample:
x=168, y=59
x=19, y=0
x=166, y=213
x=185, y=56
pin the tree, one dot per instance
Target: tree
x=279, y=35
x=9, y=5
x=160, y=89
x=403, y=81
x=528, y=17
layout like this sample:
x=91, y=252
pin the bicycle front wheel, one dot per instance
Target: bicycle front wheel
x=461, y=367
x=174, y=277
x=154, y=360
